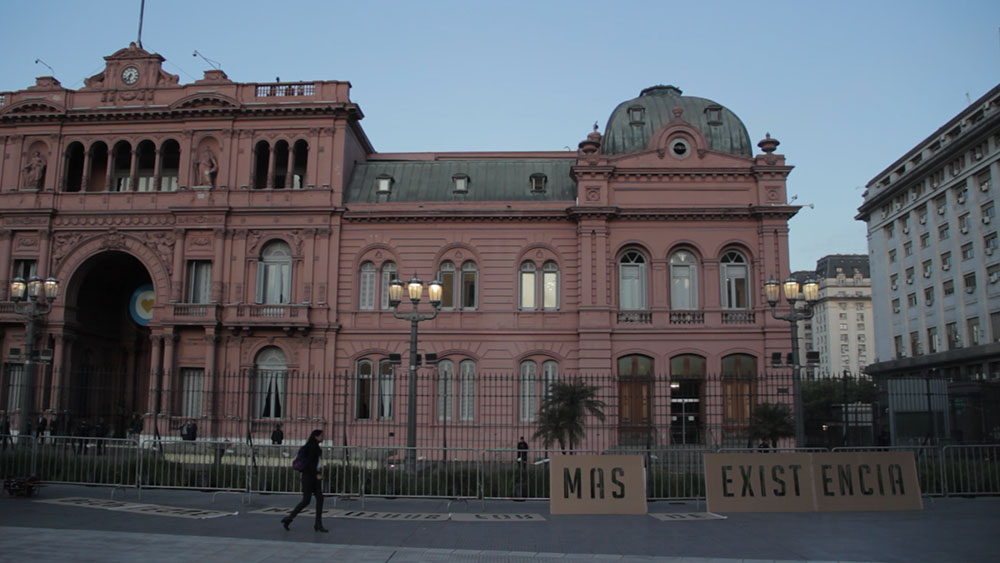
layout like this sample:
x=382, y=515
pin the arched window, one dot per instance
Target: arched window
x=632, y=281
x=470, y=279
x=532, y=287
x=363, y=390
x=261, y=165
x=271, y=368
x=467, y=391
x=446, y=275
x=446, y=393
x=635, y=378
x=735, y=280
x=683, y=281
x=122, y=167
x=74, y=167
x=300, y=153
x=95, y=176
x=528, y=288
x=274, y=273
x=366, y=287
x=145, y=170
x=281, y=163
x=389, y=273
x=170, y=165
x=386, y=388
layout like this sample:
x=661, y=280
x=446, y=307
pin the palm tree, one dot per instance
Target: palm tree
x=561, y=415
x=771, y=422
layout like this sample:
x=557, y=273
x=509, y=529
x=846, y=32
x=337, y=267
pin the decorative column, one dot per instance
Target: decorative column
x=218, y=266
x=155, y=369
x=87, y=163
x=177, y=276
x=272, y=160
x=60, y=360
x=169, y=337
x=157, y=169
x=43, y=252
x=5, y=266
x=109, y=174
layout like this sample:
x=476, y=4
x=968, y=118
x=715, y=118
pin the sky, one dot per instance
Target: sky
x=847, y=87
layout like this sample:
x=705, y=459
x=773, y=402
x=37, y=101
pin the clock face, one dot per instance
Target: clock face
x=130, y=75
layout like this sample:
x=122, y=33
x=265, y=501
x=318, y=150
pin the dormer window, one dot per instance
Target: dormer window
x=383, y=184
x=636, y=114
x=538, y=182
x=461, y=182
x=714, y=115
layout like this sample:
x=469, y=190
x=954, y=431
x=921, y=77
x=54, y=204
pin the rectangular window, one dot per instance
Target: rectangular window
x=15, y=385
x=366, y=293
x=925, y=240
x=447, y=279
x=928, y=268
x=386, y=388
x=469, y=289
x=898, y=344
x=948, y=287
x=363, y=390
x=895, y=305
x=915, y=343
x=199, y=281
x=911, y=300
x=954, y=340
x=550, y=289
x=944, y=232
x=527, y=290
x=192, y=390
x=528, y=391
x=25, y=269
x=932, y=340
x=963, y=223
x=972, y=327
x=446, y=389
x=967, y=253
x=970, y=283
x=467, y=391
x=907, y=248
x=946, y=261
x=890, y=231
x=928, y=296
x=892, y=256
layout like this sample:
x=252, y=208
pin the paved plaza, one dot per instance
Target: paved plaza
x=77, y=523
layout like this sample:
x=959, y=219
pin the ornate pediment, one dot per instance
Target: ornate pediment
x=36, y=106
x=205, y=100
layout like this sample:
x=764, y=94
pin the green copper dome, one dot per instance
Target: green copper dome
x=633, y=122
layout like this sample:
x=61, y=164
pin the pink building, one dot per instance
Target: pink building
x=225, y=248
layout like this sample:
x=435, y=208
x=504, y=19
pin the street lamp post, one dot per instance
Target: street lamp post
x=32, y=299
x=810, y=292
x=415, y=289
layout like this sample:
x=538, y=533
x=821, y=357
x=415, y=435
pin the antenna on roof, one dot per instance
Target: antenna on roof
x=41, y=62
x=213, y=64
x=142, y=11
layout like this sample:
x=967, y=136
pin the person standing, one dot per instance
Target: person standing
x=522, y=453
x=278, y=436
x=311, y=481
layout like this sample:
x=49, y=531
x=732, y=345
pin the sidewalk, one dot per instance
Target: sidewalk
x=40, y=530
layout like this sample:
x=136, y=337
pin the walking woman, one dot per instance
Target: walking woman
x=311, y=481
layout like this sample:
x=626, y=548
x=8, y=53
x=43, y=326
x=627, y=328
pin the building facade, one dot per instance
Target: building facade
x=842, y=330
x=225, y=251
x=935, y=268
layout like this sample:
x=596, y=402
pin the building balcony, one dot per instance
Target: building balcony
x=687, y=317
x=246, y=316
x=635, y=318
x=739, y=317
x=195, y=313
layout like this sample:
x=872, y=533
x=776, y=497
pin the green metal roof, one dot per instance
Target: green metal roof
x=721, y=128
x=489, y=180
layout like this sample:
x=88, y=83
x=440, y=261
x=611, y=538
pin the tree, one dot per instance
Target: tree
x=562, y=413
x=771, y=422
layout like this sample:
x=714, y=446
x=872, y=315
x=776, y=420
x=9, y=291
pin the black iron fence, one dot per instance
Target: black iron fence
x=485, y=411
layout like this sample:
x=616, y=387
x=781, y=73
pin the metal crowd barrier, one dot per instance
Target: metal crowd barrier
x=452, y=473
x=971, y=470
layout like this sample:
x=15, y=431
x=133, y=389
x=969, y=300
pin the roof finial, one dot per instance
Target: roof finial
x=595, y=127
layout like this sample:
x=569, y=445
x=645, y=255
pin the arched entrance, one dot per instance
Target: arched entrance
x=109, y=357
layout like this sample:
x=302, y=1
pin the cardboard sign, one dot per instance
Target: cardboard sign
x=805, y=482
x=597, y=484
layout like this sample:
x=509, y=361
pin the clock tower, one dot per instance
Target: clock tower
x=132, y=68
